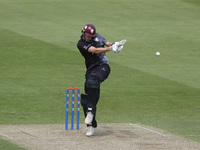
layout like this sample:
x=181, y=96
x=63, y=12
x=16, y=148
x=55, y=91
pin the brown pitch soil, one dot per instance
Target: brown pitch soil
x=107, y=137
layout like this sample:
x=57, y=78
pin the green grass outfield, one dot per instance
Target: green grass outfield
x=39, y=60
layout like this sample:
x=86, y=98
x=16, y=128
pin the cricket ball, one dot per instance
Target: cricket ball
x=157, y=53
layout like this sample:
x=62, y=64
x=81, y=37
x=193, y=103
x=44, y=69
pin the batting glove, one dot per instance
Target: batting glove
x=114, y=48
x=120, y=48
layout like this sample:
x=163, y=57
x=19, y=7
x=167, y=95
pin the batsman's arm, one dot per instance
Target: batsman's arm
x=98, y=50
x=108, y=44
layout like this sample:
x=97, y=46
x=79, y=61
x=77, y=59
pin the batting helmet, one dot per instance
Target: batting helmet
x=89, y=30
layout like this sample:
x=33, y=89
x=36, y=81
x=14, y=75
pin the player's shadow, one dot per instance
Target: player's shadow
x=103, y=132
x=115, y=133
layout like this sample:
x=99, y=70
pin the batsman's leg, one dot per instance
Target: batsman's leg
x=92, y=85
x=85, y=109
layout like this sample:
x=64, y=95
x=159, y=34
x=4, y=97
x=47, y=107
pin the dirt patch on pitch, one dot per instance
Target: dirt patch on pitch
x=108, y=136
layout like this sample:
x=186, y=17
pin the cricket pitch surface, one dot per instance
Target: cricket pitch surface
x=108, y=136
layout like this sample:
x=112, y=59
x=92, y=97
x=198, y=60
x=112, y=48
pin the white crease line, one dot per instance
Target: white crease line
x=148, y=129
x=6, y=136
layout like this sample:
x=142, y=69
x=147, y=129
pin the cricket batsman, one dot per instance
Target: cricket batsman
x=93, y=48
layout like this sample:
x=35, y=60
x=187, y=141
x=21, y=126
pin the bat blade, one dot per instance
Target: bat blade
x=122, y=42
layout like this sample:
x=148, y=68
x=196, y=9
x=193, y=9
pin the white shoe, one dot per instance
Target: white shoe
x=91, y=131
x=89, y=118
